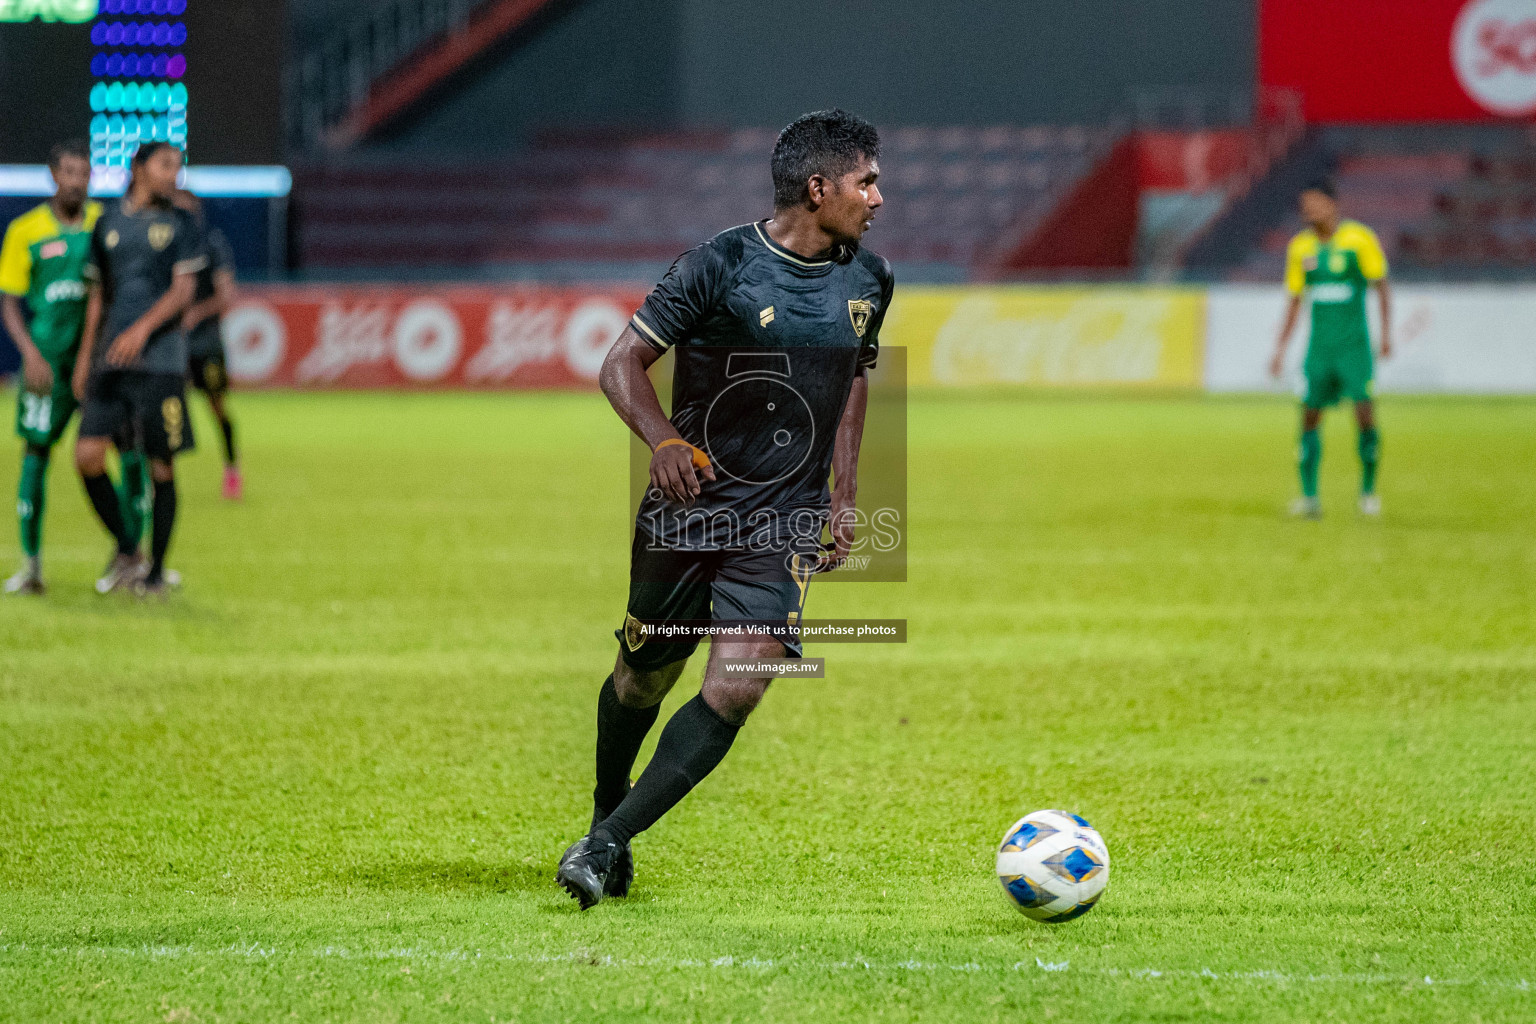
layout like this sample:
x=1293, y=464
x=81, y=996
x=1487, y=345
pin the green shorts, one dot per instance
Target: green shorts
x=42, y=419
x=1334, y=376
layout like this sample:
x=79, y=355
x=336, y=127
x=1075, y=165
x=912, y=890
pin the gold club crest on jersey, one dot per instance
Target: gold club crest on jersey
x=634, y=633
x=160, y=236
x=859, y=311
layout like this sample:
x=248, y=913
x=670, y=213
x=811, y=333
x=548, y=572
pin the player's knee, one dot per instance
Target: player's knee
x=734, y=698
x=91, y=456
x=162, y=471
x=642, y=688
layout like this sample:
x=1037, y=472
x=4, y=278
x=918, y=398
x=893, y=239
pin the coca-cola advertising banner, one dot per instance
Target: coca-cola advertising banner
x=1402, y=60
x=396, y=336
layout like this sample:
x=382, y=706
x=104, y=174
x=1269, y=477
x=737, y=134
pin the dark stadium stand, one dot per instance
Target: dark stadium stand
x=1442, y=199
x=382, y=57
x=958, y=198
x=1486, y=215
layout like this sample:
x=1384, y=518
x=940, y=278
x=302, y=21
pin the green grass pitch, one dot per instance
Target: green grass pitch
x=330, y=780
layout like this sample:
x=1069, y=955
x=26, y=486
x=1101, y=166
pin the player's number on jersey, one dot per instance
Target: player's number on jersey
x=36, y=412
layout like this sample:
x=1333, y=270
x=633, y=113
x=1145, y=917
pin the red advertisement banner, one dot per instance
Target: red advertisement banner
x=424, y=337
x=1392, y=60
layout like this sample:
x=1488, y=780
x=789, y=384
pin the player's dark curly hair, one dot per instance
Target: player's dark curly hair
x=824, y=142
x=149, y=149
x=69, y=147
x=1322, y=185
x=141, y=157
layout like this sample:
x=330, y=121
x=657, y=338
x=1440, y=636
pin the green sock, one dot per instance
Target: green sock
x=1311, y=459
x=30, y=499
x=1370, y=455
x=133, y=493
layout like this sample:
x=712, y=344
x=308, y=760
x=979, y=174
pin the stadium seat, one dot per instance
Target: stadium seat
x=952, y=193
x=1437, y=198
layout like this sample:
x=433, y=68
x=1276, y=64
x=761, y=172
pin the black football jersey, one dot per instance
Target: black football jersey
x=767, y=344
x=204, y=339
x=135, y=255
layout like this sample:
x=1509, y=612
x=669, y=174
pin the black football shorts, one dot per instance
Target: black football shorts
x=736, y=585
x=208, y=373
x=147, y=411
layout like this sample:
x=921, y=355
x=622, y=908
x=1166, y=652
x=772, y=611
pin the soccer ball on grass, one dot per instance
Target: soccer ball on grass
x=1053, y=865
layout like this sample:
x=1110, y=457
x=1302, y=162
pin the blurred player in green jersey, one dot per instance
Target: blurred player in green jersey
x=42, y=261
x=1331, y=265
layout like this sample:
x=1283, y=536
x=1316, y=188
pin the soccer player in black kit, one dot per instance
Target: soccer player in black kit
x=774, y=326
x=206, y=367
x=130, y=377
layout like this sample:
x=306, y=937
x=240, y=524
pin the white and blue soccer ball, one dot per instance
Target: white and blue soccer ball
x=1053, y=865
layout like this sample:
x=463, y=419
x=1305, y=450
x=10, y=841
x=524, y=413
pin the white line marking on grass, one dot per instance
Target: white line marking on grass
x=586, y=958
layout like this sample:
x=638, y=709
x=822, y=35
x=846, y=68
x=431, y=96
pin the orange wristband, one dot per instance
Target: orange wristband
x=700, y=460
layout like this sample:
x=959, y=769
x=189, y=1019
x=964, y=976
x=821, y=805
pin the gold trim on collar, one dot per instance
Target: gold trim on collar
x=781, y=252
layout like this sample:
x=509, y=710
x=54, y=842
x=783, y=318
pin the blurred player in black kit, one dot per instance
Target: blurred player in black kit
x=131, y=373
x=775, y=325
x=207, y=369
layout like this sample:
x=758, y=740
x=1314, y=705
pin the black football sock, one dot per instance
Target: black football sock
x=228, y=426
x=104, y=500
x=620, y=731
x=693, y=742
x=164, y=518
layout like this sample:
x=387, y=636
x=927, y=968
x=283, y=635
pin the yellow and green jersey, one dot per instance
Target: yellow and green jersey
x=1334, y=275
x=44, y=262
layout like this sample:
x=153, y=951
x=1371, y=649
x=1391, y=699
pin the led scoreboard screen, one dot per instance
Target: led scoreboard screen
x=204, y=74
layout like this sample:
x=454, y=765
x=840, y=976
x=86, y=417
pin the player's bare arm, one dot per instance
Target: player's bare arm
x=1292, y=313
x=675, y=464
x=845, y=473
x=36, y=373
x=1384, y=302
x=127, y=346
x=217, y=304
x=90, y=453
x=93, y=310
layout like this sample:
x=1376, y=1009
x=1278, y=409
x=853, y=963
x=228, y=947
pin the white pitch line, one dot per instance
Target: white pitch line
x=256, y=951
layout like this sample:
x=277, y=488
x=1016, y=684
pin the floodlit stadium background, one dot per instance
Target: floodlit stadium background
x=449, y=192
x=330, y=777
